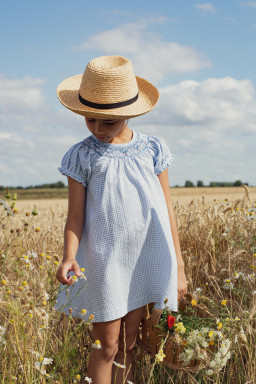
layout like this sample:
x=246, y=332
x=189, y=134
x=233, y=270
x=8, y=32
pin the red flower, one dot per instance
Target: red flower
x=170, y=321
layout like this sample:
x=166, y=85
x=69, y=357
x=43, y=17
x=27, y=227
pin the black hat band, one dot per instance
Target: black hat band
x=107, y=106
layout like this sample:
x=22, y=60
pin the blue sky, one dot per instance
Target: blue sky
x=201, y=56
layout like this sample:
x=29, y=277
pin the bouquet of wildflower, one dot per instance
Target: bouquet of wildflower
x=189, y=339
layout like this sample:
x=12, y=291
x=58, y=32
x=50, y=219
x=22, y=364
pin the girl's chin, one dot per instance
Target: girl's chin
x=107, y=138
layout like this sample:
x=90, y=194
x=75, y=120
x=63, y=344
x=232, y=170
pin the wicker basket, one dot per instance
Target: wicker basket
x=149, y=337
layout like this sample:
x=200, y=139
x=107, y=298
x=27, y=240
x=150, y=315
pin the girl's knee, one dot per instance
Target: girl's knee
x=108, y=334
x=109, y=348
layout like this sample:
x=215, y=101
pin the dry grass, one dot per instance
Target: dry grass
x=218, y=241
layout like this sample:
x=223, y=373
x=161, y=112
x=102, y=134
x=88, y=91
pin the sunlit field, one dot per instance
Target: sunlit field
x=218, y=241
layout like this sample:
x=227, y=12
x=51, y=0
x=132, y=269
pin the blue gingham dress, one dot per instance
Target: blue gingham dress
x=126, y=247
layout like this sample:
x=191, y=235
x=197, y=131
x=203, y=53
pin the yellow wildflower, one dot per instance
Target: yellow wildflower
x=180, y=328
x=193, y=302
x=82, y=269
x=237, y=319
x=83, y=311
x=223, y=302
x=44, y=302
x=27, y=213
x=211, y=342
x=210, y=334
x=37, y=229
x=220, y=325
x=25, y=283
x=4, y=282
x=78, y=377
x=56, y=262
x=42, y=254
x=160, y=355
x=15, y=210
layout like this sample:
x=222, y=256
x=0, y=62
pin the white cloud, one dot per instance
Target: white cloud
x=152, y=57
x=250, y=4
x=17, y=94
x=224, y=103
x=208, y=7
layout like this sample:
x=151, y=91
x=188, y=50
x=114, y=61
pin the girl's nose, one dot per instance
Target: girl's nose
x=97, y=127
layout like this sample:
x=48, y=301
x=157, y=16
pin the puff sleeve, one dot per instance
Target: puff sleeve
x=76, y=164
x=162, y=156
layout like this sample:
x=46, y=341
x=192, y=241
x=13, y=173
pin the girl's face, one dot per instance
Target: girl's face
x=105, y=130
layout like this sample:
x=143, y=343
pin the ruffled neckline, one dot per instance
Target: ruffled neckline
x=119, y=145
x=137, y=144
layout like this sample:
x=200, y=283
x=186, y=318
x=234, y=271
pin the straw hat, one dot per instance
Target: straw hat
x=108, y=89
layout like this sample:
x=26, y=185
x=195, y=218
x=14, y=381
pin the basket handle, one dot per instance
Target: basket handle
x=155, y=316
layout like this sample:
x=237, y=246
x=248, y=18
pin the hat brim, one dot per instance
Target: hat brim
x=67, y=92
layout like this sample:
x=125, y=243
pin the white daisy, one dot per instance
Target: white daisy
x=47, y=361
x=209, y=372
x=119, y=365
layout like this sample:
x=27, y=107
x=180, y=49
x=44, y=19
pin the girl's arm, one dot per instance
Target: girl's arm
x=73, y=230
x=75, y=220
x=182, y=283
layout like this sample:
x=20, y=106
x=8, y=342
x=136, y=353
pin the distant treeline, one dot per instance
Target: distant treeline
x=200, y=183
x=188, y=184
x=59, y=184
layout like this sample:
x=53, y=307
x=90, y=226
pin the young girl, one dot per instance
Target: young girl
x=121, y=226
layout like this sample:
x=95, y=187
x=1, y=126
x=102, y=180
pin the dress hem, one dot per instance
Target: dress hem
x=116, y=317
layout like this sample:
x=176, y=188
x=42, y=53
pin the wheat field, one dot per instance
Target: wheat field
x=218, y=241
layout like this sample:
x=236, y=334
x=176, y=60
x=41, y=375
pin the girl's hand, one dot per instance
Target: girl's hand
x=63, y=270
x=182, y=283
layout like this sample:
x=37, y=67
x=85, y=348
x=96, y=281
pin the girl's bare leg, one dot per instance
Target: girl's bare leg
x=132, y=321
x=101, y=360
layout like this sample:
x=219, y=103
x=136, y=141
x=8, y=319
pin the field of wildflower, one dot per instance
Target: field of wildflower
x=41, y=345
